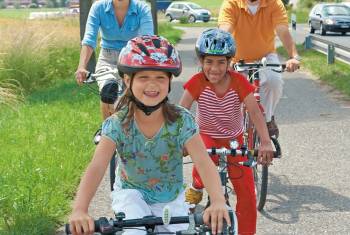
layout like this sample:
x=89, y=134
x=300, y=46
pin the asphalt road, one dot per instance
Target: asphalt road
x=309, y=188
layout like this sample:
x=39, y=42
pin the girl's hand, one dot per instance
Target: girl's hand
x=265, y=154
x=216, y=213
x=81, y=223
x=80, y=75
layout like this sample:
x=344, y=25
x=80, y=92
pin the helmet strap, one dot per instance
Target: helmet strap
x=146, y=108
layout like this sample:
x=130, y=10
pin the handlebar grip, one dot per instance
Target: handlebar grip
x=198, y=218
x=275, y=153
x=96, y=222
x=89, y=78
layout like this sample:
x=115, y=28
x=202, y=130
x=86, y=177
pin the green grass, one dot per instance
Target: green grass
x=212, y=5
x=45, y=147
x=168, y=31
x=336, y=75
x=302, y=15
x=24, y=12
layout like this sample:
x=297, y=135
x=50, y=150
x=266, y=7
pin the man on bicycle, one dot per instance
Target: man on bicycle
x=254, y=25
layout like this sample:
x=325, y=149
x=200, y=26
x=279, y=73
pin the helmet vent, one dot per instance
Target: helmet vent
x=170, y=51
x=143, y=48
x=156, y=43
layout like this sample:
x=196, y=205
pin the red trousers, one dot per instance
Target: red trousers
x=242, y=180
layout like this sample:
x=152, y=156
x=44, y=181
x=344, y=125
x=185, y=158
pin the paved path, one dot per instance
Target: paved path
x=309, y=189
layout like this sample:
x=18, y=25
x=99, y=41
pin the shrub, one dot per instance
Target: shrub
x=184, y=20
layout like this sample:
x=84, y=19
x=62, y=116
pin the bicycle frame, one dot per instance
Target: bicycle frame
x=250, y=137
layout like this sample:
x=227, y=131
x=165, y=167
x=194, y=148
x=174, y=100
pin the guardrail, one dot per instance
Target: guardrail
x=331, y=49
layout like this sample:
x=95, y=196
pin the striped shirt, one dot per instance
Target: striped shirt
x=219, y=117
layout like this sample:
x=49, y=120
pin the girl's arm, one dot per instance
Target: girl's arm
x=89, y=183
x=208, y=173
x=186, y=100
x=265, y=148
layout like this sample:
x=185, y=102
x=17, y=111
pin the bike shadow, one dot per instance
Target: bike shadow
x=289, y=201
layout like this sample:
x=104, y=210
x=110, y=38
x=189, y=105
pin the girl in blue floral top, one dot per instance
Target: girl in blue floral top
x=149, y=135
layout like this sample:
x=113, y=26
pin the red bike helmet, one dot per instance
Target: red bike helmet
x=149, y=53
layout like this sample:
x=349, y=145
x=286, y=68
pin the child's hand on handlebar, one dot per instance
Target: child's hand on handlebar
x=81, y=223
x=80, y=75
x=215, y=215
x=265, y=154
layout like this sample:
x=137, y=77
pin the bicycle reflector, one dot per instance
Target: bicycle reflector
x=166, y=215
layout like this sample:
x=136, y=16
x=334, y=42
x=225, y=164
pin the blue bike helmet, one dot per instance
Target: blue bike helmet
x=215, y=42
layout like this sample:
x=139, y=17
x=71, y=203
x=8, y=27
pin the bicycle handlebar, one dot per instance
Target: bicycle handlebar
x=242, y=66
x=103, y=226
x=251, y=154
x=92, y=77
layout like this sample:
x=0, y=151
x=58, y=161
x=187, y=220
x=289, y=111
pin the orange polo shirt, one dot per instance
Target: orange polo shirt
x=254, y=34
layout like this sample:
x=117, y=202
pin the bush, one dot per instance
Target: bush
x=184, y=20
x=169, y=32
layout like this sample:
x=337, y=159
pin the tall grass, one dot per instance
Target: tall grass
x=36, y=53
x=11, y=94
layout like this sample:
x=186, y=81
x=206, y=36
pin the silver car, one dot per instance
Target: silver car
x=191, y=11
x=329, y=17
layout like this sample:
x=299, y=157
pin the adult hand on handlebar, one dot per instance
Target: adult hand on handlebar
x=80, y=75
x=265, y=154
x=215, y=215
x=81, y=223
x=292, y=65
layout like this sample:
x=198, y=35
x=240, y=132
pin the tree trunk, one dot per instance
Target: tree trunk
x=84, y=7
x=154, y=15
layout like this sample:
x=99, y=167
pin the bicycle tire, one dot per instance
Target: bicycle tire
x=112, y=166
x=261, y=178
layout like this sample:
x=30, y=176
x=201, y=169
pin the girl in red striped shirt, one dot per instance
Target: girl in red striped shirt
x=219, y=93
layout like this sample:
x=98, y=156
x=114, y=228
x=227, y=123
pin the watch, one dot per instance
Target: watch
x=296, y=57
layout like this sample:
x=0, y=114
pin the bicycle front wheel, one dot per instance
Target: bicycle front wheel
x=261, y=177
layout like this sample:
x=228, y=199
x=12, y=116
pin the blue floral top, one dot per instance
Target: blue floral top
x=152, y=166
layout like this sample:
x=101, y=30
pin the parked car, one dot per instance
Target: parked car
x=191, y=11
x=330, y=17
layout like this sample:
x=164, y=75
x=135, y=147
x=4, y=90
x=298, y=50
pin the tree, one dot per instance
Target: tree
x=84, y=7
